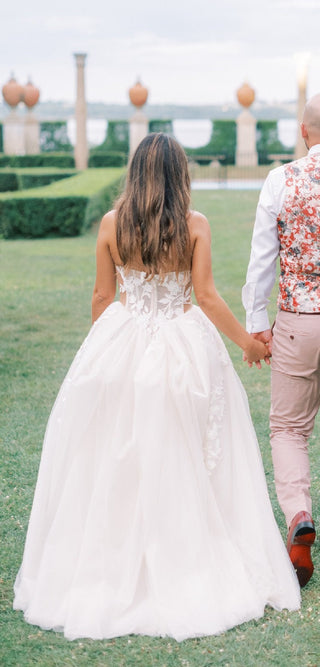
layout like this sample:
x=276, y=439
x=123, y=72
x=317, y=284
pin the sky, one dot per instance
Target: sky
x=185, y=52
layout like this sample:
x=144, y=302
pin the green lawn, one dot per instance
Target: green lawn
x=45, y=299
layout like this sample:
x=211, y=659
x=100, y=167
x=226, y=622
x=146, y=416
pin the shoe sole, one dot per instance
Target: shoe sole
x=300, y=553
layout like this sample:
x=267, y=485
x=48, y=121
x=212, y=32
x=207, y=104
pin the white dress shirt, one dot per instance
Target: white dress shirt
x=265, y=248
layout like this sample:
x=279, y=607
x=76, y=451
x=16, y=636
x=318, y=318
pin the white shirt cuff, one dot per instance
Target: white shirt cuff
x=258, y=321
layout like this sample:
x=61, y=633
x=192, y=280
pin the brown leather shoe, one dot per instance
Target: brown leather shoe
x=301, y=536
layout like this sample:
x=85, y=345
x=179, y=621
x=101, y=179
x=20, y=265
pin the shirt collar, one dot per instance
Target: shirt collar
x=314, y=149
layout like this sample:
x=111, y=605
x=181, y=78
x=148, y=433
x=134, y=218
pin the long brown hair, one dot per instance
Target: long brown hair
x=152, y=211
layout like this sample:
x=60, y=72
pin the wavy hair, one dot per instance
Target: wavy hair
x=152, y=211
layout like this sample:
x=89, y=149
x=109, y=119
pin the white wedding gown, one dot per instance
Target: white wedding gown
x=151, y=513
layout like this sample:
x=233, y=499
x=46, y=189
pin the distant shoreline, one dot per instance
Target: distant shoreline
x=62, y=111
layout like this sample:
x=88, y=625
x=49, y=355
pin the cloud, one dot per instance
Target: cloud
x=149, y=46
x=196, y=53
x=71, y=24
x=304, y=5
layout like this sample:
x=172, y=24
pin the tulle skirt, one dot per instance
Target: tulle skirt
x=151, y=513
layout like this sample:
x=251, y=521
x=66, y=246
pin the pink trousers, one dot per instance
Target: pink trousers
x=295, y=401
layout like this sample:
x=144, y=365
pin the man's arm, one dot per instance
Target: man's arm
x=265, y=245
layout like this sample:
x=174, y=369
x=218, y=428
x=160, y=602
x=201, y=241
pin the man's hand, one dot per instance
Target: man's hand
x=266, y=338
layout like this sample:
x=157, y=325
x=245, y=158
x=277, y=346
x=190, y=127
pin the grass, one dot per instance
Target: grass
x=45, y=314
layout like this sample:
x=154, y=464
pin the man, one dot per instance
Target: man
x=288, y=225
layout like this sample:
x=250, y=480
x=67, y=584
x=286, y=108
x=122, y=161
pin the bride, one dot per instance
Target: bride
x=151, y=513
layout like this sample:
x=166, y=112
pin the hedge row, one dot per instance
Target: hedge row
x=23, y=180
x=8, y=181
x=222, y=144
x=58, y=160
x=97, y=158
x=54, y=137
x=37, y=217
x=117, y=138
x=223, y=140
x=27, y=181
x=103, y=200
x=116, y=142
x=161, y=125
x=107, y=159
x=64, y=208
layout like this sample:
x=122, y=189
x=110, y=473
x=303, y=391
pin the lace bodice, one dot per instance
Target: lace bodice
x=156, y=300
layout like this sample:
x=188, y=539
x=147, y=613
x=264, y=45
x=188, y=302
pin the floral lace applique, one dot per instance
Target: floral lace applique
x=212, y=450
x=212, y=444
x=157, y=300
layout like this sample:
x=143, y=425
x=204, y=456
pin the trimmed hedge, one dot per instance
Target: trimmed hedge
x=4, y=160
x=107, y=159
x=23, y=179
x=117, y=138
x=222, y=144
x=58, y=160
x=268, y=141
x=54, y=136
x=8, y=181
x=64, y=208
x=103, y=201
x=224, y=138
x=114, y=150
x=30, y=180
x=160, y=125
x=39, y=216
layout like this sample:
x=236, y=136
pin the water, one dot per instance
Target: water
x=197, y=133
x=96, y=130
x=190, y=133
x=287, y=131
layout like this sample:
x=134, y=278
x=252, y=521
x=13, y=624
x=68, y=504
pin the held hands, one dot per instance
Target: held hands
x=260, y=347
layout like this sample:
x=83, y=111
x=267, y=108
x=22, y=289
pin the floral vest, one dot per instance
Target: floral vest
x=299, y=234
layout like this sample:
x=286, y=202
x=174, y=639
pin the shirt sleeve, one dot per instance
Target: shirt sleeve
x=265, y=247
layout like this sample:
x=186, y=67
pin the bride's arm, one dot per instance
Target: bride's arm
x=208, y=297
x=105, y=286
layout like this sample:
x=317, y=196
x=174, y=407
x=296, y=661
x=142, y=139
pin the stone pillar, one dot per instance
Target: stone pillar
x=138, y=129
x=13, y=134
x=81, y=148
x=31, y=134
x=246, y=153
x=139, y=125
x=302, y=60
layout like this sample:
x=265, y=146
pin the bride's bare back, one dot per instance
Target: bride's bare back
x=200, y=265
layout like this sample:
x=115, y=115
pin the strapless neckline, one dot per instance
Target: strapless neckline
x=121, y=269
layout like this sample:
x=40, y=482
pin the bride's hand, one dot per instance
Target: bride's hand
x=255, y=351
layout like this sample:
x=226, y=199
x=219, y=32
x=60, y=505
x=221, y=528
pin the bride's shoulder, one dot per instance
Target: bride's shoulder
x=195, y=217
x=197, y=223
x=109, y=219
x=108, y=225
